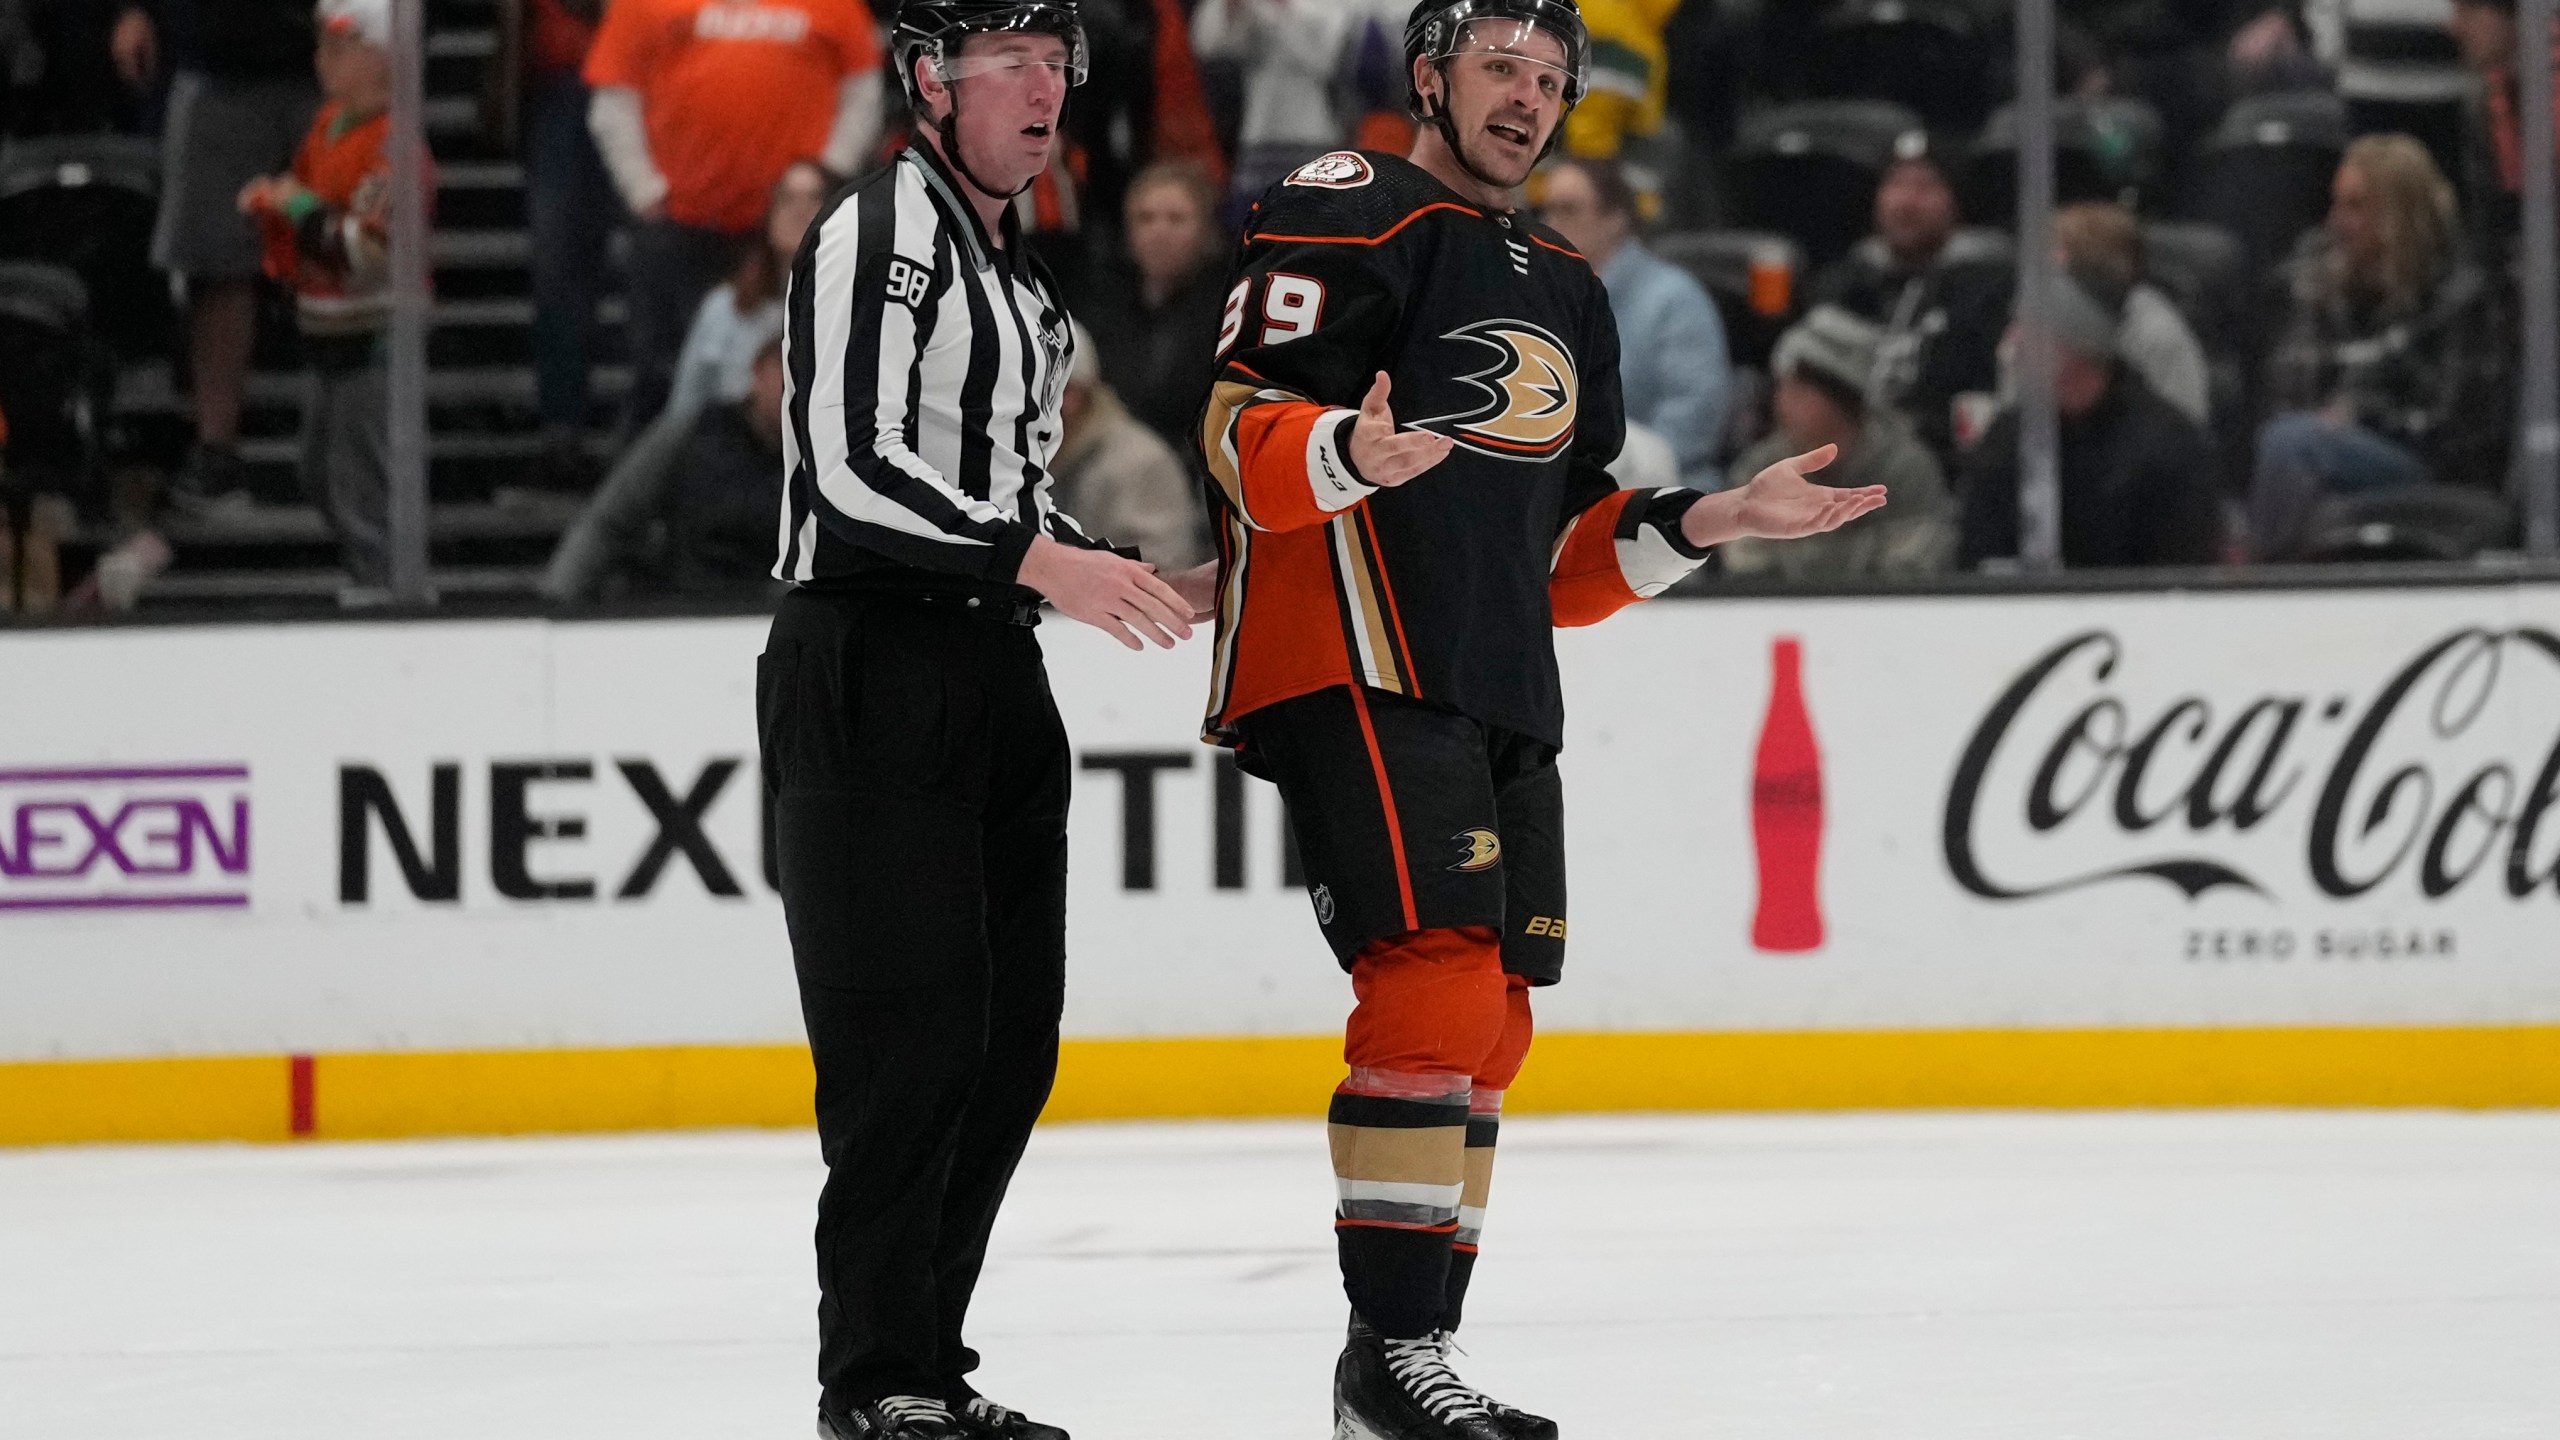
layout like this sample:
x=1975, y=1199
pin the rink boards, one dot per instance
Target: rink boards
x=492, y=876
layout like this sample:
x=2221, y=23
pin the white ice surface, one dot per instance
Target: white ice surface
x=2208, y=1276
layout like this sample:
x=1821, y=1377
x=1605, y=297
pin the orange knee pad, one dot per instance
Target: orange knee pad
x=1435, y=1002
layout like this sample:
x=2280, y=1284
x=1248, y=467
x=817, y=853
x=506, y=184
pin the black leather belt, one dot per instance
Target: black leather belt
x=1025, y=613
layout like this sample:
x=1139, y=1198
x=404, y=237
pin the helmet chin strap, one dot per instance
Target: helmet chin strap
x=948, y=127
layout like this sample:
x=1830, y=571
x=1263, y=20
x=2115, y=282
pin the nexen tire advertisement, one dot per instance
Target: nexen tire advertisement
x=2193, y=810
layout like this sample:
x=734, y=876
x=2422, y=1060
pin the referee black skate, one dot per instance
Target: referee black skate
x=919, y=773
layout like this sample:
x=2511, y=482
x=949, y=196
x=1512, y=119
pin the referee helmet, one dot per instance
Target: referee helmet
x=936, y=28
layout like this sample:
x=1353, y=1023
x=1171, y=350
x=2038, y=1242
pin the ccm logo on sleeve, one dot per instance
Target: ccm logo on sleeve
x=908, y=282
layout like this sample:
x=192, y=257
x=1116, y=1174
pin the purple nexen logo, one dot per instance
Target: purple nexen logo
x=126, y=837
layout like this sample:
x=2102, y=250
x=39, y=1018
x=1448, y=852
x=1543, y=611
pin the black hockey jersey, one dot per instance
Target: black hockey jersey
x=1446, y=589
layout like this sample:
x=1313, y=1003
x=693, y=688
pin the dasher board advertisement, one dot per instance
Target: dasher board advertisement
x=2197, y=810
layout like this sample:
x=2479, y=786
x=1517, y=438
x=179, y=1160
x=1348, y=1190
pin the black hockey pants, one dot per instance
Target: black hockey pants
x=920, y=777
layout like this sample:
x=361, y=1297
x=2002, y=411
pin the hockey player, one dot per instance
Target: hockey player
x=1415, y=400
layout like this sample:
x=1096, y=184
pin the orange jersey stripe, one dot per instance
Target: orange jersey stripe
x=1387, y=798
x=1377, y=239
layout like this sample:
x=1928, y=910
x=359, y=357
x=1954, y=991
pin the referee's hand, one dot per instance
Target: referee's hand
x=1121, y=598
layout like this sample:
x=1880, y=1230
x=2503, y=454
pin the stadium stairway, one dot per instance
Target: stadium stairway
x=492, y=528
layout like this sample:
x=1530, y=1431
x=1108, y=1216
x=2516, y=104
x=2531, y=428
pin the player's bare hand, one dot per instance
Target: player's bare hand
x=1779, y=503
x=1121, y=598
x=1385, y=455
x=1198, y=587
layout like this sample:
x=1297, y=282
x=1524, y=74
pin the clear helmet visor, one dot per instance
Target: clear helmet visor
x=1535, y=37
x=1505, y=49
x=1019, y=46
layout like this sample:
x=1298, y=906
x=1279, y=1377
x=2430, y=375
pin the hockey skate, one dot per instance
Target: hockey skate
x=894, y=1417
x=1508, y=1423
x=1404, y=1390
x=983, y=1419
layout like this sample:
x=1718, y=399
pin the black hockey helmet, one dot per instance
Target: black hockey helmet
x=936, y=28
x=1437, y=29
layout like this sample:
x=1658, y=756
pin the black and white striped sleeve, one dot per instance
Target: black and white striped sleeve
x=867, y=300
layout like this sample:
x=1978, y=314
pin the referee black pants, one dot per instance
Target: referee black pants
x=920, y=777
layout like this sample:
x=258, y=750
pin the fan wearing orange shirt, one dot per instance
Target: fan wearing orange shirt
x=699, y=107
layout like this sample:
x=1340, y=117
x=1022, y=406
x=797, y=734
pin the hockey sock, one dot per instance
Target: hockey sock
x=1484, y=1129
x=1431, y=1010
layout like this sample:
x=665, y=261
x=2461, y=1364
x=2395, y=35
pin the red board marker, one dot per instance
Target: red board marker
x=299, y=1085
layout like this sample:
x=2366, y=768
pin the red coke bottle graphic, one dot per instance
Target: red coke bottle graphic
x=1786, y=811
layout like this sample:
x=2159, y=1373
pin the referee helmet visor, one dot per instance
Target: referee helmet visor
x=939, y=29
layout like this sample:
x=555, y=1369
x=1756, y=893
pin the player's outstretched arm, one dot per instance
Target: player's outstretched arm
x=1779, y=503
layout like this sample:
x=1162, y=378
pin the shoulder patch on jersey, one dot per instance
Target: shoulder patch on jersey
x=908, y=281
x=1341, y=170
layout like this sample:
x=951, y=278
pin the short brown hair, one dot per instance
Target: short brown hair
x=1184, y=174
x=2101, y=242
x=1609, y=183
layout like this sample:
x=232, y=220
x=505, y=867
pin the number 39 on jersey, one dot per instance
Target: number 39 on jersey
x=1292, y=306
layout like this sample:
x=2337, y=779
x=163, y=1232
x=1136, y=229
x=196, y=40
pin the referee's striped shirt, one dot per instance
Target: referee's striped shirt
x=924, y=369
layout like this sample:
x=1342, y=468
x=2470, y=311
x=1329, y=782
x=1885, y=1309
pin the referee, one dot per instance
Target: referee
x=918, y=767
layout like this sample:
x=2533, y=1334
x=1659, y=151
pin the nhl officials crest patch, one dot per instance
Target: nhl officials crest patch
x=1341, y=170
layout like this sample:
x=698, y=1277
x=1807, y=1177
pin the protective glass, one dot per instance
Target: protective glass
x=1017, y=61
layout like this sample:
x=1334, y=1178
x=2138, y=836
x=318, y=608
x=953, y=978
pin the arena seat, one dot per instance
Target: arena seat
x=2264, y=173
x=87, y=203
x=53, y=375
x=1809, y=170
x=1938, y=57
x=2429, y=522
x=2106, y=149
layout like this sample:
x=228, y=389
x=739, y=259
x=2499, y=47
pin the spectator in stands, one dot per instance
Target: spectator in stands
x=1620, y=117
x=570, y=211
x=1120, y=478
x=699, y=107
x=1672, y=359
x=1155, y=315
x=328, y=237
x=1142, y=101
x=2103, y=243
x=1940, y=292
x=2395, y=367
x=238, y=103
x=1290, y=52
x=720, y=523
x=2137, y=475
x=1821, y=367
x=2485, y=33
x=734, y=323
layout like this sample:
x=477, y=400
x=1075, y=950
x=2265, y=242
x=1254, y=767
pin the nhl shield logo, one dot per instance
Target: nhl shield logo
x=1323, y=896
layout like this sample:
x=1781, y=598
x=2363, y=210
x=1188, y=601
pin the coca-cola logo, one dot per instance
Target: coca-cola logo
x=2073, y=779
